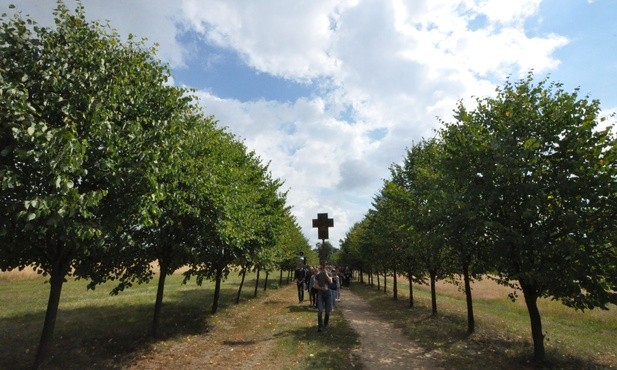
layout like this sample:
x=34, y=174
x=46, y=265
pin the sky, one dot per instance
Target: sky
x=331, y=93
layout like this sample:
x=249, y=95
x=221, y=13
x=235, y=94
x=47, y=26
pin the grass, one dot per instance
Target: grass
x=573, y=339
x=92, y=327
x=97, y=331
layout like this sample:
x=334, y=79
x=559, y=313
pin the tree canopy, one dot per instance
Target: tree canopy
x=106, y=168
x=522, y=185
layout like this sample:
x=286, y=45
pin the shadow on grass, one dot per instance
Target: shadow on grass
x=106, y=336
x=302, y=308
x=239, y=342
x=274, y=301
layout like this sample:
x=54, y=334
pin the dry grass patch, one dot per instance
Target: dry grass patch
x=27, y=273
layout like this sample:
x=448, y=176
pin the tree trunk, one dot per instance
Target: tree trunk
x=531, y=300
x=410, y=277
x=378, y=282
x=433, y=293
x=256, y=283
x=281, y=278
x=288, y=276
x=385, y=281
x=56, y=280
x=395, y=285
x=217, y=289
x=158, y=303
x=241, y=285
x=471, y=323
x=266, y=281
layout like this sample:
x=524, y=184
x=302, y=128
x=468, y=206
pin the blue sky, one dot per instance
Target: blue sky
x=331, y=93
x=224, y=73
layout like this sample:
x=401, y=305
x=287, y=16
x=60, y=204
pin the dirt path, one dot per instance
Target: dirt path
x=249, y=336
x=382, y=346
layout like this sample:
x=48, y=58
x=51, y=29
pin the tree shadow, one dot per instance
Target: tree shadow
x=106, y=336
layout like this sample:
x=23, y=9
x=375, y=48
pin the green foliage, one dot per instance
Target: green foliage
x=80, y=137
x=524, y=185
x=550, y=189
x=105, y=168
x=289, y=242
x=85, y=116
x=326, y=252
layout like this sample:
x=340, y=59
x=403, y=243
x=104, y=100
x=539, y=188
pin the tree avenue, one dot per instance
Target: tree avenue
x=523, y=189
x=105, y=168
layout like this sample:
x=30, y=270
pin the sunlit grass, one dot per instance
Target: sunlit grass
x=98, y=328
x=95, y=330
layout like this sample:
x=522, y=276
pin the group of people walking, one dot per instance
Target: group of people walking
x=323, y=286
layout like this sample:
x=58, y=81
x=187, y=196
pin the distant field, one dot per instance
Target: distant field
x=25, y=274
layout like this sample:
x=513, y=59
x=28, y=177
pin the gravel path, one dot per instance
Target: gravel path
x=382, y=346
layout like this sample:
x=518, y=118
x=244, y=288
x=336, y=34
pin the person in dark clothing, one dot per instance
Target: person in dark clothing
x=300, y=277
x=346, y=276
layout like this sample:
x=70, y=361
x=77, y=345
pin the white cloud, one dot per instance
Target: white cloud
x=387, y=68
x=306, y=147
x=508, y=11
x=289, y=39
x=398, y=64
x=156, y=20
x=445, y=40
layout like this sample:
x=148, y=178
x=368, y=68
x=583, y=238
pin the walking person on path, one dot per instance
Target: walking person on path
x=311, y=287
x=324, y=297
x=299, y=277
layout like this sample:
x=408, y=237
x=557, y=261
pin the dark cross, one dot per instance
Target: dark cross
x=322, y=223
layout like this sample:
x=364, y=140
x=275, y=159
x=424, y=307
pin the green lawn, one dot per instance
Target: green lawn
x=97, y=331
x=94, y=329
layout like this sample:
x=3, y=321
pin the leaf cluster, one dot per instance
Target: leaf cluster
x=522, y=186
